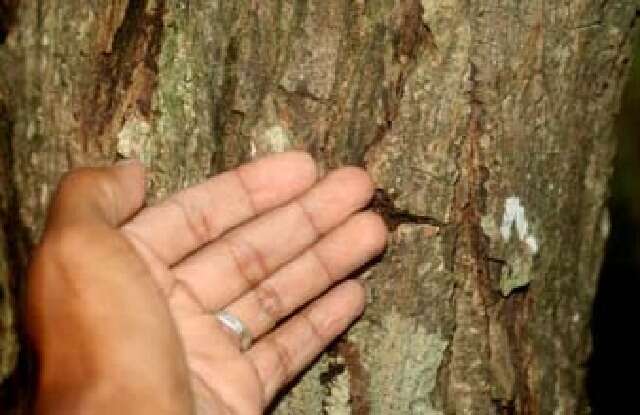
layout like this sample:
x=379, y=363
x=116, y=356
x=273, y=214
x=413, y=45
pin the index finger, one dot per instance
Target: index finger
x=195, y=216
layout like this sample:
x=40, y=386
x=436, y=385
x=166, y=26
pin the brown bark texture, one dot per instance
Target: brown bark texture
x=486, y=125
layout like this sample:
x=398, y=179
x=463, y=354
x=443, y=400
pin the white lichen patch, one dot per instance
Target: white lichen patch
x=270, y=134
x=253, y=150
x=407, y=374
x=518, y=274
x=532, y=243
x=276, y=139
x=133, y=139
x=514, y=217
x=513, y=240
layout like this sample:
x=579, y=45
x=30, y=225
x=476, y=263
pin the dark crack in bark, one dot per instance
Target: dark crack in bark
x=125, y=75
x=358, y=378
x=383, y=204
x=226, y=121
x=411, y=37
x=514, y=315
x=467, y=258
x=413, y=34
x=8, y=10
x=328, y=377
x=345, y=356
x=15, y=391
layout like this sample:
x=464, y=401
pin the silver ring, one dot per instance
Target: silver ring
x=236, y=326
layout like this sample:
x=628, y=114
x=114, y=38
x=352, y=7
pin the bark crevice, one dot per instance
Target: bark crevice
x=411, y=37
x=8, y=10
x=15, y=237
x=125, y=75
x=384, y=205
x=358, y=378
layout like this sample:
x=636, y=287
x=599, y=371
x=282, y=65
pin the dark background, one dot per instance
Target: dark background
x=614, y=373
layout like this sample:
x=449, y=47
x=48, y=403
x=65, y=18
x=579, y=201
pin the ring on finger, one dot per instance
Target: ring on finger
x=237, y=327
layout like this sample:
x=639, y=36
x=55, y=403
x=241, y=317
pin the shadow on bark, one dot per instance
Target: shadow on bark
x=611, y=383
x=7, y=17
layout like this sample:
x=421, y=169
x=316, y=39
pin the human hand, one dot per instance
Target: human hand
x=122, y=300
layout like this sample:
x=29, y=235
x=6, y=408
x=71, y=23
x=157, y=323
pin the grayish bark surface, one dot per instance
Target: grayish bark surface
x=487, y=126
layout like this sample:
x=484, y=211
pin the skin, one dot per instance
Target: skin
x=121, y=297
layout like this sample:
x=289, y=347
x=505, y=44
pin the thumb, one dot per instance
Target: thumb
x=99, y=195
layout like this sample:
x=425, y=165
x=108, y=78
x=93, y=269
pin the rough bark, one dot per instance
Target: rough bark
x=487, y=126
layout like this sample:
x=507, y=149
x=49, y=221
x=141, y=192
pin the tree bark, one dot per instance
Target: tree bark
x=486, y=125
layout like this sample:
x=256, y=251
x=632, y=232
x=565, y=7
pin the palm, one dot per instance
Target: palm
x=259, y=244
x=199, y=332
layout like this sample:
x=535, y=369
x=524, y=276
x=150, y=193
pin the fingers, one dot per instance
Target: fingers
x=98, y=195
x=190, y=218
x=227, y=268
x=281, y=355
x=333, y=258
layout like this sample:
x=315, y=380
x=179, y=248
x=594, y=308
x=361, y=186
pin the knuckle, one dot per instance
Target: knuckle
x=197, y=221
x=66, y=242
x=205, y=225
x=87, y=181
x=55, y=263
x=250, y=262
x=78, y=177
x=314, y=328
x=284, y=359
x=308, y=217
x=323, y=266
x=269, y=301
x=358, y=295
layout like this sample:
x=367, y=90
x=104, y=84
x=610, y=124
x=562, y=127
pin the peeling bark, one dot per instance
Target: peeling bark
x=487, y=127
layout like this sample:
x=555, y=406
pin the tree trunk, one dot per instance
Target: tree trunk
x=486, y=125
